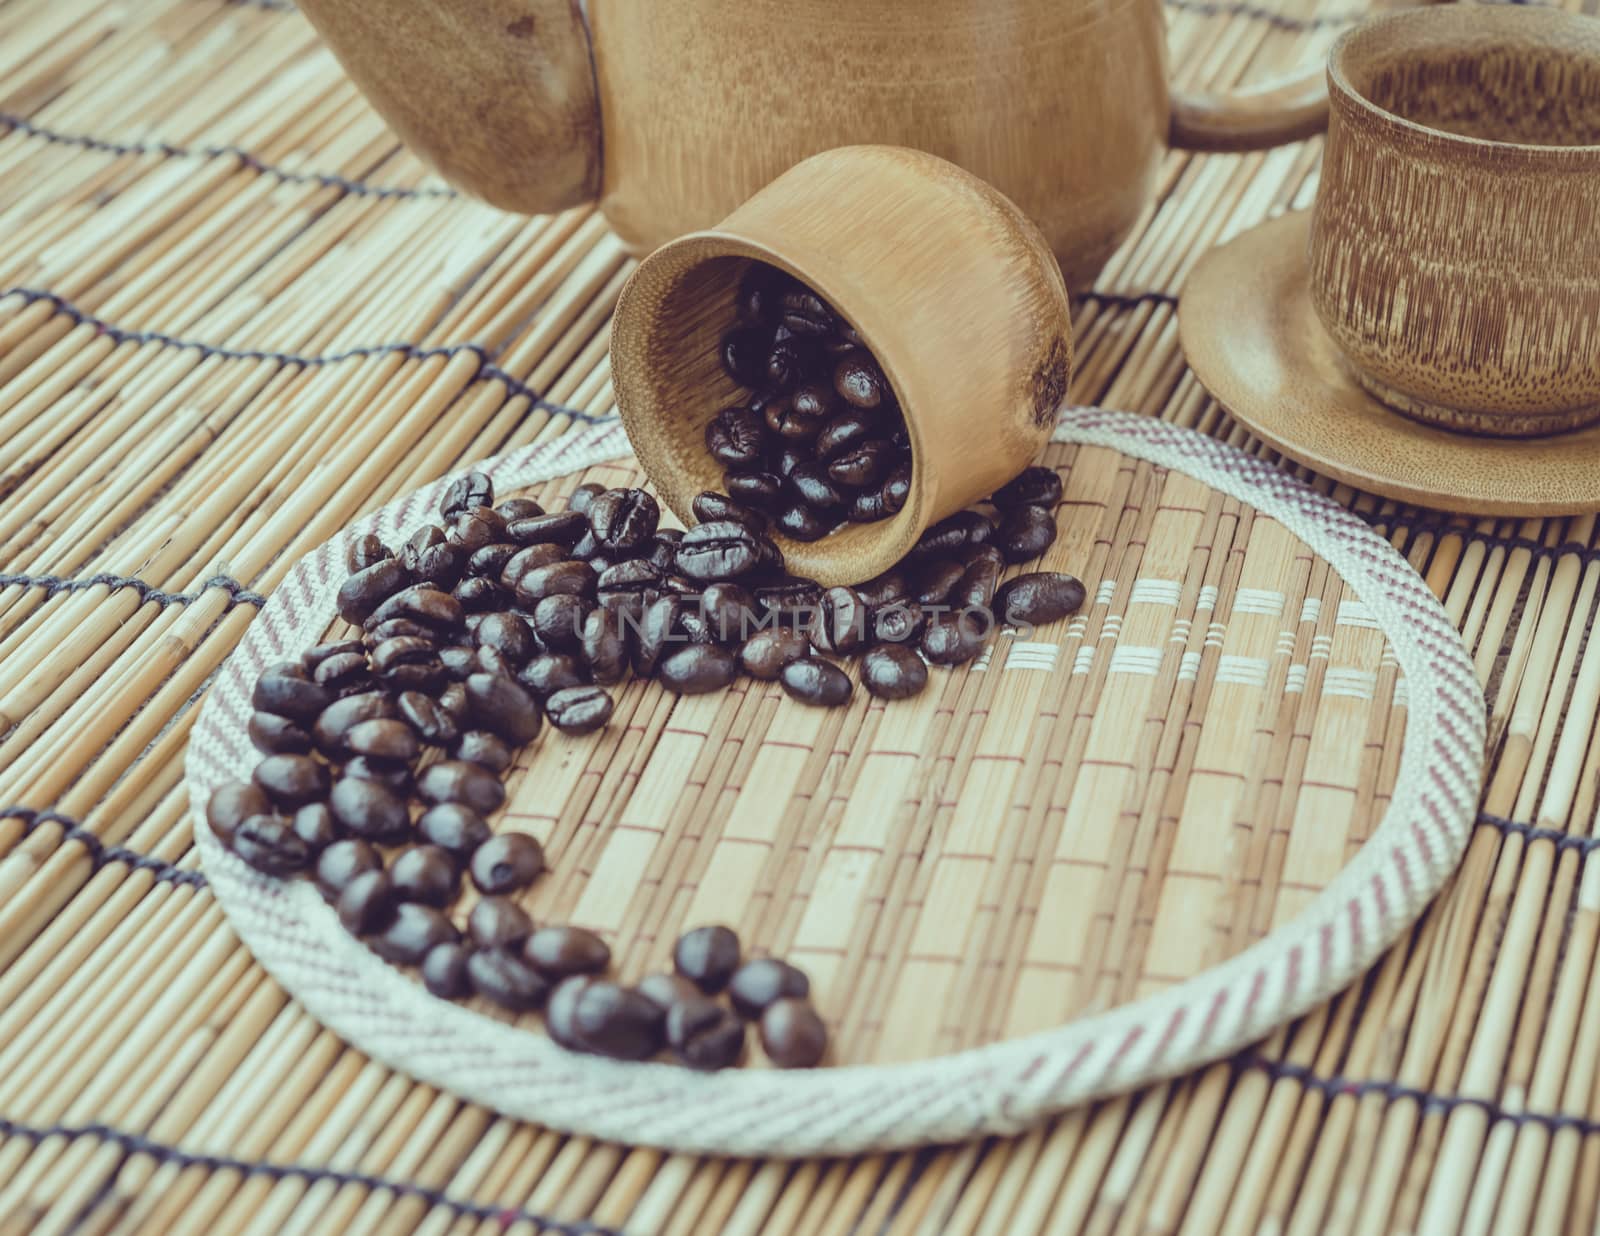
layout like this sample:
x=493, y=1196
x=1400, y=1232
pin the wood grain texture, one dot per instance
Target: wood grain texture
x=496, y=95
x=954, y=291
x=1455, y=246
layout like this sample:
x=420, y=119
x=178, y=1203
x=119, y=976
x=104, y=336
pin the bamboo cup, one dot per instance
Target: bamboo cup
x=952, y=289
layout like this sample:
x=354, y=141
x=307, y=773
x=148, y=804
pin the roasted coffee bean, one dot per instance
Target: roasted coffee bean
x=867, y=507
x=711, y=507
x=901, y=623
x=803, y=312
x=889, y=588
x=510, y=635
x=342, y=862
x=476, y=527
x=371, y=810
x=403, y=650
x=792, y=1034
x=365, y=551
x=270, y=845
x=315, y=656
x=605, y=647
x=1039, y=597
x=338, y=718
x=397, y=627
x=501, y=976
x=814, y=681
x=729, y=610
x=479, y=595
x=444, y=971
x=707, y=956
x=980, y=579
x=759, y=291
x=896, y=489
x=664, y=548
x=529, y=559
x=564, y=528
x=693, y=625
x=814, y=487
x=467, y=491
x=292, y=781
x=231, y=804
x=455, y=828
x=795, y=602
x=579, y=710
x=697, y=668
x=790, y=456
x=1036, y=486
x=658, y=629
x=635, y=576
x=425, y=873
x=369, y=588
x=290, y=694
x=518, y=508
x=453, y=699
x=343, y=673
x=560, y=1008
x=560, y=952
x=753, y=487
x=499, y=922
x=396, y=774
x=506, y=863
x=551, y=672
x=432, y=607
x=722, y=549
x=845, y=433
x=490, y=560
x=274, y=735
x=1026, y=532
x=950, y=536
x=859, y=381
x=793, y=419
x=566, y=578
x=367, y=903
x=586, y=548
x=664, y=990
x=459, y=781
x=623, y=519
x=384, y=740
x=843, y=624
x=789, y=361
x=956, y=637
x=314, y=824
x=893, y=672
x=704, y=1034
x=413, y=933
x=431, y=723
x=934, y=581
x=756, y=984
x=736, y=437
x=440, y=565
x=611, y=1020
x=426, y=676
x=800, y=522
x=558, y=622
x=765, y=653
x=864, y=464
x=743, y=354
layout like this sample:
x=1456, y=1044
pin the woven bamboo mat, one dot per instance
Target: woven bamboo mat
x=234, y=317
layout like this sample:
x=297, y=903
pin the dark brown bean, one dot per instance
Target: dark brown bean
x=530, y=559
x=383, y=739
x=657, y=630
x=579, y=710
x=722, y=549
x=844, y=433
x=344, y=673
x=365, y=551
x=791, y=456
x=1039, y=597
x=275, y=735
x=979, y=580
x=290, y=694
x=697, y=669
x=1026, y=532
x=314, y=824
x=753, y=487
x=743, y=353
x=611, y=1020
x=231, y=804
x=707, y=956
x=558, y=622
x=361, y=594
x=444, y=970
x=392, y=627
x=790, y=360
x=893, y=672
x=956, y=637
x=859, y=381
x=468, y=490
x=866, y=463
x=502, y=705
x=485, y=748
x=812, y=484
x=414, y=932
x=664, y=989
x=490, y=560
x=843, y=625
x=867, y=507
x=432, y=723
x=767, y=651
x=796, y=602
x=425, y=604
x=814, y=681
x=292, y=781
x=704, y=1034
x=499, y=922
x=729, y=610
x=896, y=489
x=711, y=507
x=934, y=581
x=953, y=534
x=458, y=781
x=504, y=978
x=793, y=420
x=560, y=952
x=370, y=809
x=506, y=863
x=736, y=437
x=792, y=1034
x=425, y=873
x=901, y=623
x=269, y=844
x=605, y=647
x=455, y=828
x=551, y=672
x=569, y=577
x=664, y=548
x=476, y=527
x=800, y=522
x=623, y=519
x=564, y=528
x=560, y=1009
x=367, y=903
x=518, y=508
x=1036, y=486
x=756, y=984
x=509, y=634
x=342, y=862
x=481, y=596
x=316, y=655
x=431, y=559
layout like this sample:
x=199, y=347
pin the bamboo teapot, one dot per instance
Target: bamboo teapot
x=671, y=113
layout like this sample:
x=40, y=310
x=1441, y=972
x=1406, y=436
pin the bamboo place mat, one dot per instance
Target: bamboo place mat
x=236, y=317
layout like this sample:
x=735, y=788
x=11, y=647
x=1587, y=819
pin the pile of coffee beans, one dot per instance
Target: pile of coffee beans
x=821, y=440
x=384, y=753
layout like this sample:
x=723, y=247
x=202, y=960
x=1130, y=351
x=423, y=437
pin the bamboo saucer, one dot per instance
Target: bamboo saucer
x=1252, y=338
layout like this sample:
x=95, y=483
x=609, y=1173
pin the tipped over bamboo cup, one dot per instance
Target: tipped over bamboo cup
x=951, y=288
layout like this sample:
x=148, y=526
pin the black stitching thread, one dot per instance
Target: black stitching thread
x=101, y=854
x=1583, y=844
x=486, y=372
x=134, y=1143
x=238, y=594
x=327, y=180
x=1430, y=1101
x=1129, y=300
x=1444, y=525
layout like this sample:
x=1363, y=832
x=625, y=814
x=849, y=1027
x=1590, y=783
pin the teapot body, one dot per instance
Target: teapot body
x=1060, y=104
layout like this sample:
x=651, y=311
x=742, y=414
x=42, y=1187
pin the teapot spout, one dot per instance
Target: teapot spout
x=497, y=96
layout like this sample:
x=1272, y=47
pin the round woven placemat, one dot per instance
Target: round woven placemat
x=1104, y=854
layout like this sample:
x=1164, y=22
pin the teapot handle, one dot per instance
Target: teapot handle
x=1253, y=119
x=497, y=96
